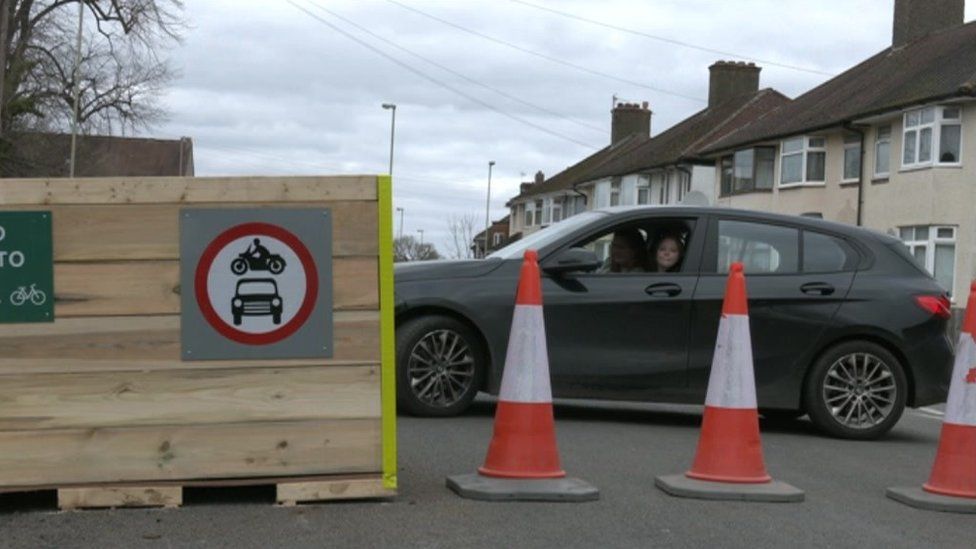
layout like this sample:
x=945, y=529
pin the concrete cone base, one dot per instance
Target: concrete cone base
x=916, y=497
x=774, y=491
x=475, y=486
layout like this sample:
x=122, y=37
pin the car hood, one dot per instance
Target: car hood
x=427, y=270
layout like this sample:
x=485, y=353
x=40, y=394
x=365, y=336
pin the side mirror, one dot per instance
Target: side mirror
x=572, y=260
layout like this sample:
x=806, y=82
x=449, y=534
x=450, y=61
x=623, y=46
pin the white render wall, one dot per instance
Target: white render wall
x=924, y=196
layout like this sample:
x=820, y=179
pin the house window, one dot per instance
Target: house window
x=538, y=212
x=852, y=158
x=727, y=172
x=496, y=239
x=643, y=191
x=547, y=211
x=615, y=193
x=666, y=189
x=752, y=169
x=802, y=160
x=529, y=215
x=882, y=151
x=934, y=247
x=579, y=204
x=932, y=129
x=557, y=209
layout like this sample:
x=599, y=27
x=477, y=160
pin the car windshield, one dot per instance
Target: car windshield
x=257, y=288
x=542, y=238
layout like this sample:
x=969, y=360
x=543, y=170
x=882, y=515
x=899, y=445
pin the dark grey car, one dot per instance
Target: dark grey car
x=845, y=326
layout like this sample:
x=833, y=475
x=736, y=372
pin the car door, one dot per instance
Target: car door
x=622, y=335
x=792, y=298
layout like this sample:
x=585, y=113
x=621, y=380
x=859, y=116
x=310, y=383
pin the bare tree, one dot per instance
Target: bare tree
x=408, y=248
x=121, y=73
x=461, y=229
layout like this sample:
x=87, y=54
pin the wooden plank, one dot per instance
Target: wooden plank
x=290, y=493
x=153, y=287
x=148, y=454
x=14, y=366
x=184, y=190
x=187, y=397
x=119, y=496
x=119, y=232
x=152, y=339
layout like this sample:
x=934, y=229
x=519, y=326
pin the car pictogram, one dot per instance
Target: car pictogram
x=256, y=297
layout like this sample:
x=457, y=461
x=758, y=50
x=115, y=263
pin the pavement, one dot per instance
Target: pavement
x=618, y=447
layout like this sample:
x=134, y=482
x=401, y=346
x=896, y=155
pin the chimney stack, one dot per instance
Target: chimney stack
x=539, y=177
x=628, y=119
x=916, y=18
x=728, y=79
x=526, y=185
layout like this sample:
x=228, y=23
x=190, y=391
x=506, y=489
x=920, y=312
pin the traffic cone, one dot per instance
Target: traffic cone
x=952, y=484
x=523, y=459
x=729, y=462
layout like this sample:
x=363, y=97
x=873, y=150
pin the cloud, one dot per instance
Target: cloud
x=267, y=89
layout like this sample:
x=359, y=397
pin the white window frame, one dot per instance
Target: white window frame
x=878, y=141
x=546, y=211
x=851, y=143
x=496, y=239
x=557, y=209
x=935, y=127
x=615, y=193
x=643, y=187
x=530, y=214
x=929, y=244
x=804, y=153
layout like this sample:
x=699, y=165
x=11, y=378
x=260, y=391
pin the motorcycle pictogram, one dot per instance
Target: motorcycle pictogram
x=257, y=258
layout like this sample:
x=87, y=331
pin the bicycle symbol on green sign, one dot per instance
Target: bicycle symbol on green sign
x=20, y=296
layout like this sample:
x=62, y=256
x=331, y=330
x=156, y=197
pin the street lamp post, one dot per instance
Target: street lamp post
x=391, y=107
x=421, y=231
x=488, y=210
x=400, y=232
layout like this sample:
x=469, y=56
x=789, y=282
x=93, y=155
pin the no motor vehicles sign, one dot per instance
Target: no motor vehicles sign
x=256, y=283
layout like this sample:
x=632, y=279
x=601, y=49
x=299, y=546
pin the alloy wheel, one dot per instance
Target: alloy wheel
x=441, y=368
x=860, y=390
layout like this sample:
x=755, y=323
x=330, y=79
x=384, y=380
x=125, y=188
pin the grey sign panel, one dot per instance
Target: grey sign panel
x=256, y=283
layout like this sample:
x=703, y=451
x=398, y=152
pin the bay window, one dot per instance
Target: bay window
x=931, y=135
x=882, y=151
x=934, y=247
x=802, y=160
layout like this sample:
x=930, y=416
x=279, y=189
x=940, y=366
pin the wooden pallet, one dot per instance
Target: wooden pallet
x=288, y=492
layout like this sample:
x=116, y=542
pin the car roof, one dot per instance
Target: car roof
x=808, y=222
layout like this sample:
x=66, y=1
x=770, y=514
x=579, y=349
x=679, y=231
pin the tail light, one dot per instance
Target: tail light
x=938, y=305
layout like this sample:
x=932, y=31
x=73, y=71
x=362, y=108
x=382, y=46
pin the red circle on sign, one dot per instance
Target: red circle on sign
x=203, y=270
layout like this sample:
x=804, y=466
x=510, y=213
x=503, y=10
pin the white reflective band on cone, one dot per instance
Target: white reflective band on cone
x=732, y=383
x=526, y=375
x=961, y=405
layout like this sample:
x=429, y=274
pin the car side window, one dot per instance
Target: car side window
x=826, y=254
x=761, y=248
x=649, y=246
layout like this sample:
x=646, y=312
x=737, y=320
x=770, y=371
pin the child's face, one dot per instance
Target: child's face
x=668, y=253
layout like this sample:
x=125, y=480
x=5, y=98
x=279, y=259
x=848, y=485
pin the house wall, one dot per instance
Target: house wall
x=930, y=196
x=702, y=180
x=926, y=196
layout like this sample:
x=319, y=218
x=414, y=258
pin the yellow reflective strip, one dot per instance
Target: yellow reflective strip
x=384, y=191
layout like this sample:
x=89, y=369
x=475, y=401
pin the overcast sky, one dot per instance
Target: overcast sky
x=268, y=88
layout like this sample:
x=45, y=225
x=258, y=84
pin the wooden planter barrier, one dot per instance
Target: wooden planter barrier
x=98, y=403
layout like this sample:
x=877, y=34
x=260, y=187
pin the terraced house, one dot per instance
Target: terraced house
x=889, y=144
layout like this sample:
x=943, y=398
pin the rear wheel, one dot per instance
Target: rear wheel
x=440, y=366
x=856, y=390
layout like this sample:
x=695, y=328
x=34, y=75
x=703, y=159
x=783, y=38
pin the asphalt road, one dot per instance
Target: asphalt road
x=617, y=447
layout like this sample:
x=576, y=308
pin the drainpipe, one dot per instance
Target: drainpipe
x=860, y=179
x=577, y=191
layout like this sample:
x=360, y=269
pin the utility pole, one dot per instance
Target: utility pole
x=488, y=210
x=74, y=120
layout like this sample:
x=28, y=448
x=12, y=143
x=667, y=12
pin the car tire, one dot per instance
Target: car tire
x=856, y=390
x=440, y=367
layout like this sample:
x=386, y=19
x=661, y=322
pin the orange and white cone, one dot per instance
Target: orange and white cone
x=954, y=472
x=729, y=462
x=523, y=459
x=729, y=449
x=952, y=484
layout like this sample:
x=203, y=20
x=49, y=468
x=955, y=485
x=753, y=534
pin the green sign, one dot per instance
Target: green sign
x=26, y=267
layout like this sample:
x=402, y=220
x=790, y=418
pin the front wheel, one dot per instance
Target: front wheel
x=238, y=266
x=856, y=390
x=440, y=366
